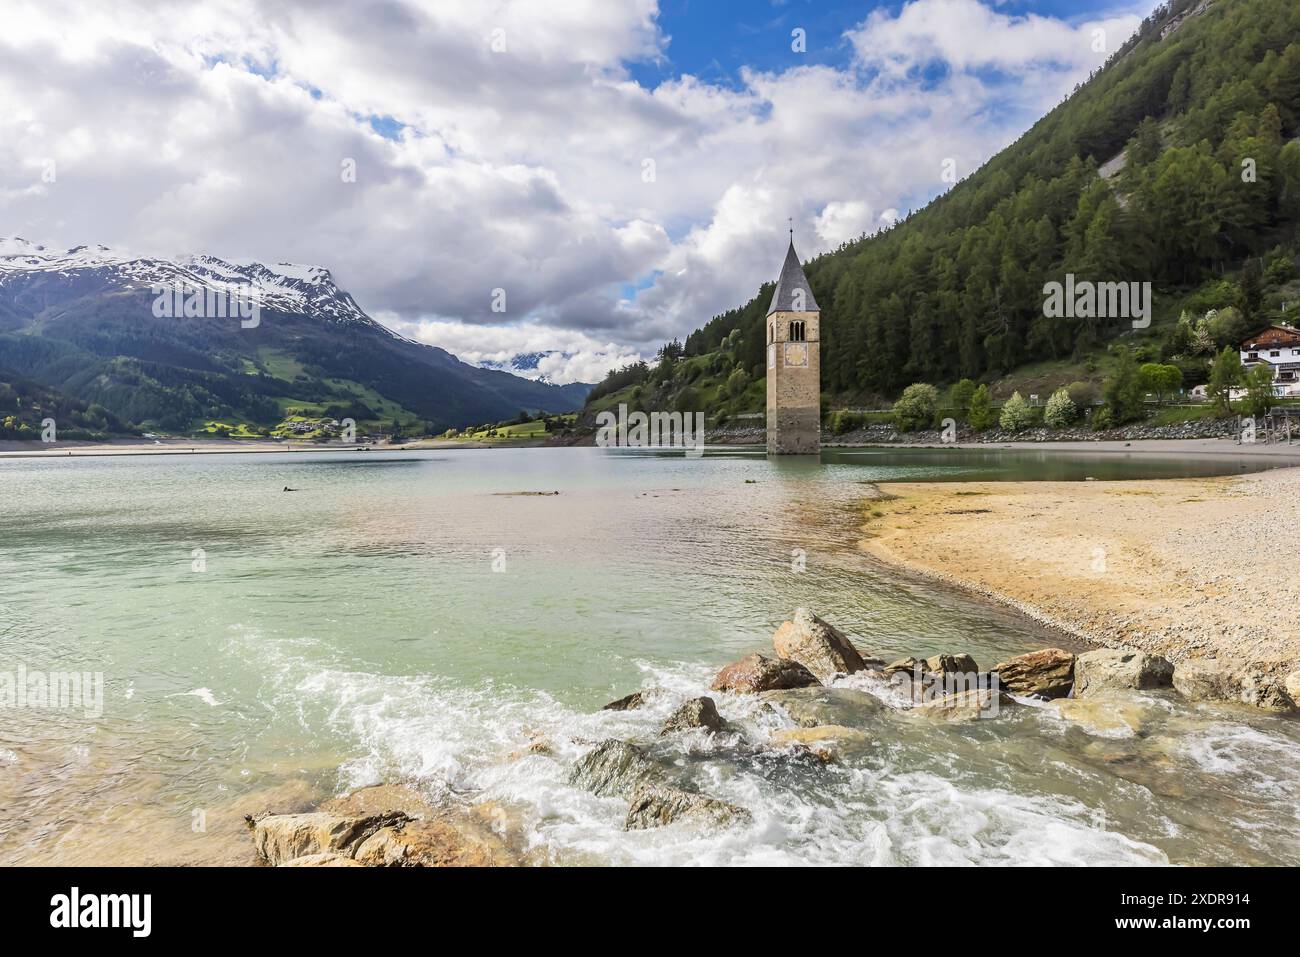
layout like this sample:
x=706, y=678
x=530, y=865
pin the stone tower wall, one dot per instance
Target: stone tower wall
x=793, y=386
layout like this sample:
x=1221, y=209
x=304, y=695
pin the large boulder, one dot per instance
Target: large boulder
x=966, y=705
x=1206, y=679
x=280, y=838
x=1048, y=673
x=818, y=646
x=1108, y=669
x=696, y=713
x=657, y=805
x=951, y=664
x=906, y=665
x=755, y=673
x=382, y=825
x=614, y=768
x=434, y=843
x=810, y=707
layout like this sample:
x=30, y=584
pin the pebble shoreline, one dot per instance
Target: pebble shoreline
x=1185, y=568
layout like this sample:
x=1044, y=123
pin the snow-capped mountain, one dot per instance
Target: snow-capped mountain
x=286, y=287
x=87, y=322
x=525, y=364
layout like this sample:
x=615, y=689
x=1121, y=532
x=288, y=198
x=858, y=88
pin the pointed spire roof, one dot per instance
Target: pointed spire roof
x=792, y=278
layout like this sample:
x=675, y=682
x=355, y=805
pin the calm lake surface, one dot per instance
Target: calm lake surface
x=403, y=616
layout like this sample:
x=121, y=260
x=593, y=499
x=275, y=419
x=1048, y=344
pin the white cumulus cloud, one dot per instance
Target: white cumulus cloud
x=501, y=144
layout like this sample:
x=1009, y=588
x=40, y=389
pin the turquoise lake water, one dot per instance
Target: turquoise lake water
x=406, y=616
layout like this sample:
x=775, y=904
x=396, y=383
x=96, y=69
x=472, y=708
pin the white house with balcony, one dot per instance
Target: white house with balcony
x=1279, y=347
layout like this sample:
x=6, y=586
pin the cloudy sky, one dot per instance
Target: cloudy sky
x=622, y=169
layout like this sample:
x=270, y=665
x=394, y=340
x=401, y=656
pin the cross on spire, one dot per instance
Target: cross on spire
x=791, y=220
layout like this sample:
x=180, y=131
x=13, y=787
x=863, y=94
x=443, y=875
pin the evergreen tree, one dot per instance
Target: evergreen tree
x=1260, y=397
x=1145, y=146
x=1252, y=293
x=1123, y=391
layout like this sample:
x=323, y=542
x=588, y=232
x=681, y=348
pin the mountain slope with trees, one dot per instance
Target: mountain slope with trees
x=1178, y=163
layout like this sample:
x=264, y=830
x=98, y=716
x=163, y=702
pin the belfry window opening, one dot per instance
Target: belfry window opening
x=798, y=331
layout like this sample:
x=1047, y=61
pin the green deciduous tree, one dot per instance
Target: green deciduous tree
x=960, y=394
x=1162, y=380
x=1225, y=375
x=917, y=407
x=1061, y=410
x=1016, y=415
x=1259, y=390
x=737, y=382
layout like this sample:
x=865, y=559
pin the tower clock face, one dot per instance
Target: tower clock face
x=796, y=353
x=771, y=357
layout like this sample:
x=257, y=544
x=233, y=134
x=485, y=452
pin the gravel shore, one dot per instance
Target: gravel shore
x=1186, y=568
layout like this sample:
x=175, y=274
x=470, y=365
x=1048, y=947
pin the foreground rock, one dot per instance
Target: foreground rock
x=1048, y=673
x=1106, y=670
x=756, y=673
x=1213, y=680
x=811, y=707
x=951, y=664
x=966, y=706
x=819, y=647
x=696, y=713
x=614, y=768
x=280, y=838
x=630, y=703
x=657, y=805
x=617, y=768
x=905, y=665
x=434, y=843
x=381, y=826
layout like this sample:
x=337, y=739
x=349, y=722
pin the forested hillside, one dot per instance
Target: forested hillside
x=26, y=406
x=1203, y=103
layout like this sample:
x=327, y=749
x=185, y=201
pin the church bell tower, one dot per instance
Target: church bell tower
x=793, y=364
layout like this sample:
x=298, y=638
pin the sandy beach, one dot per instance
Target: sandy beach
x=1185, y=568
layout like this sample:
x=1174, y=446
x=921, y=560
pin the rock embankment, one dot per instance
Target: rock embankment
x=885, y=434
x=1048, y=674
x=815, y=692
